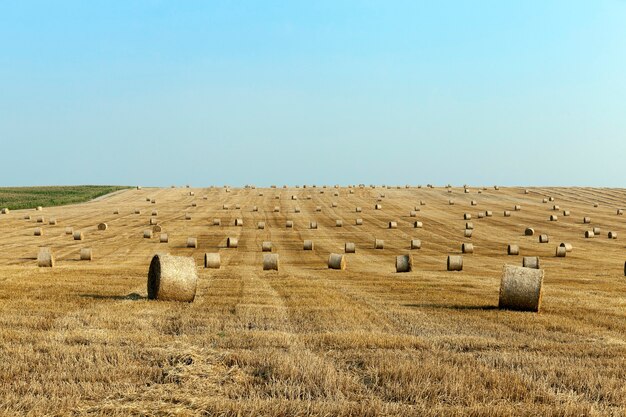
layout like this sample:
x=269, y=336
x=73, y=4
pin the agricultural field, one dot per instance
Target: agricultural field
x=31, y=197
x=82, y=338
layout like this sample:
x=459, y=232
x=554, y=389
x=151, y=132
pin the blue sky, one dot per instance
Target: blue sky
x=236, y=92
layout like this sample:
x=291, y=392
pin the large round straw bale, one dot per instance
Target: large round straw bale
x=313, y=225
x=52, y=221
x=69, y=230
x=147, y=234
x=225, y=206
x=413, y=213
x=560, y=252
x=156, y=228
x=336, y=261
x=86, y=254
x=595, y=204
x=466, y=191
x=350, y=247
x=194, y=204
x=416, y=244
x=6, y=210
x=217, y=222
x=358, y=222
x=612, y=235
x=172, y=278
x=378, y=207
x=296, y=210
x=422, y=203
x=153, y=221
x=474, y=203
x=137, y=211
x=163, y=238
x=393, y=225
x=596, y=231
x=276, y=209
x=451, y=202
x=379, y=244
x=255, y=208
x=467, y=248
x=507, y=213
x=553, y=218
x=116, y=211
x=565, y=213
x=543, y=238
x=294, y=197
x=455, y=263
x=529, y=231
x=45, y=258
x=568, y=246
x=450, y=192
x=469, y=225
x=270, y=262
x=526, y=191
x=418, y=225
x=38, y=231
x=103, y=226
x=40, y=219
x=318, y=208
x=530, y=262
x=238, y=222
x=517, y=207
x=39, y=208
x=192, y=242
x=468, y=233
x=589, y=234
x=417, y=208
x=307, y=245
x=586, y=220
x=358, y=209
x=488, y=213
x=187, y=216
x=550, y=198
x=338, y=223
x=620, y=212
x=266, y=246
x=155, y=213
x=260, y=225
x=520, y=288
x=404, y=263
x=512, y=250
x=78, y=235
x=27, y=217
x=481, y=215
x=555, y=207
x=232, y=242
x=289, y=224
x=212, y=260
x=467, y=216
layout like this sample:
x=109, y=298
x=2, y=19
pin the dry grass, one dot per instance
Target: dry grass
x=82, y=339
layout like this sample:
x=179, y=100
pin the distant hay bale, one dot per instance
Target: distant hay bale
x=307, y=245
x=529, y=231
x=52, y=221
x=466, y=191
x=481, y=215
x=238, y=222
x=358, y=209
x=545, y=200
x=232, y=242
x=333, y=204
x=69, y=230
x=350, y=247
x=358, y=222
x=416, y=244
x=153, y=201
x=147, y=234
x=520, y=288
x=6, y=210
x=163, y=238
x=469, y=225
x=212, y=260
x=413, y=213
x=378, y=207
x=103, y=226
x=337, y=261
x=276, y=209
x=488, y=213
x=45, y=258
x=27, y=217
x=192, y=242
x=379, y=244
x=455, y=263
x=86, y=254
x=467, y=216
x=495, y=187
x=172, y=278
x=451, y=202
x=393, y=225
x=116, y=211
x=568, y=246
x=474, y=203
x=217, y=222
x=289, y=224
x=260, y=225
x=512, y=250
x=312, y=225
x=225, y=206
x=318, y=208
x=507, y=213
x=194, y=204
x=612, y=235
x=41, y=219
x=157, y=228
x=153, y=221
x=270, y=262
x=468, y=232
x=78, y=235
x=589, y=234
x=155, y=213
x=620, y=212
x=335, y=194
x=530, y=262
x=38, y=231
x=586, y=220
x=137, y=211
x=255, y=208
x=565, y=213
x=422, y=203
x=266, y=246
x=39, y=208
x=296, y=210
x=187, y=216
x=418, y=225
x=595, y=204
x=560, y=252
x=416, y=209
x=467, y=248
x=338, y=223
x=294, y=197
x=550, y=198
x=555, y=207
x=543, y=238
x=553, y=218
x=596, y=231
x=517, y=207
x=404, y=263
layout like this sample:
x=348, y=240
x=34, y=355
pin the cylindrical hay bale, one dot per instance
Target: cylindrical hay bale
x=596, y=231
x=517, y=207
x=418, y=225
x=450, y=202
x=260, y=225
x=270, y=262
x=586, y=220
x=589, y=234
x=543, y=239
x=192, y=242
x=512, y=250
x=296, y=210
x=333, y=204
x=350, y=247
x=137, y=211
x=157, y=228
x=416, y=244
x=147, y=234
x=550, y=198
x=45, y=258
x=212, y=260
x=172, y=278
x=417, y=208
x=52, y=221
x=466, y=191
x=289, y=224
x=422, y=203
x=163, y=238
x=194, y=204
x=378, y=207
x=276, y=209
x=507, y=213
x=40, y=219
x=404, y=263
x=255, y=208
x=232, y=242
x=69, y=230
x=481, y=215
x=565, y=213
x=238, y=222
x=86, y=254
x=294, y=197
x=38, y=231
x=225, y=206
x=338, y=223
x=520, y=288
x=155, y=213
x=153, y=221
x=307, y=245
x=568, y=246
x=526, y=191
x=358, y=222
x=217, y=222
x=530, y=262
x=379, y=244
x=313, y=225
x=467, y=216
x=5, y=210
x=553, y=218
x=266, y=246
x=117, y=211
x=474, y=203
x=488, y=213
x=612, y=235
x=529, y=231
x=39, y=208
x=358, y=209
x=467, y=248
x=469, y=225
x=555, y=207
x=27, y=217
x=153, y=201
x=468, y=232
x=393, y=225
x=560, y=252
x=413, y=213
x=336, y=261
x=318, y=208
x=187, y=216
x=620, y=212
x=78, y=235
x=455, y=263
x=595, y=204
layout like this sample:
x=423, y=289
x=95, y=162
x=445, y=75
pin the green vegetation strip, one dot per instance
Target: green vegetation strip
x=16, y=198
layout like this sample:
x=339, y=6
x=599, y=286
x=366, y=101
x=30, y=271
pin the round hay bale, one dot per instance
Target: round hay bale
x=137, y=211
x=86, y=254
x=469, y=225
x=404, y=263
x=467, y=216
x=417, y=208
x=192, y=242
x=488, y=213
x=225, y=206
x=466, y=191
x=147, y=234
x=217, y=222
x=530, y=262
x=358, y=209
x=313, y=225
x=39, y=208
x=78, y=235
x=586, y=220
x=393, y=225
x=69, y=230
x=116, y=211
x=194, y=204
x=212, y=260
x=172, y=278
x=596, y=231
x=266, y=246
x=560, y=252
x=543, y=238
x=474, y=203
x=358, y=222
x=255, y=208
x=555, y=207
x=455, y=263
x=481, y=215
x=336, y=261
x=467, y=248
x=296, y=210
x=422, y=203
x=418, y=225
x=507, y=213
x=553, y=218
x=238, y=222
x=568, y=246
x=589, y=234
x=379, y=244
x=333, y=204
x=565, y=213
x=157, y=228
x=318, y=208
x=276, y=209
x=416, y=244
x=378, y=207
x=294, y=197
x=155, y=213
x=103, y=226
x=38, y=231
x=270, y=262
x=27, y=217
x=520, y=288
x=620, y=212
x=6, y=210
x=187, y=216
x=232, y=242
x=517, y=207
x=350, y=247
x=512, y=250
x=450, y=202
x=550, y=198
x=289, y=224
x=468, y=232
x=52, y=221
x=163, y=238
x=612, y=235
x=307, y=245
x=338, y=223
x=529, y=231
x=45, y=258
x=153, y=221
x=595, y=204
x=40, y=219
x=260, y=225
x=413, y=213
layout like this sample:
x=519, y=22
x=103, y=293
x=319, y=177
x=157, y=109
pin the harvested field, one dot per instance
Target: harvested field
x=82, y=337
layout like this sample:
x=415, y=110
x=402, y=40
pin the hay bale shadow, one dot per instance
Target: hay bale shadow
x=452, y=307
x=132, y=296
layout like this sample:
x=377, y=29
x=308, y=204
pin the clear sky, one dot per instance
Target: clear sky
x=235, y=92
